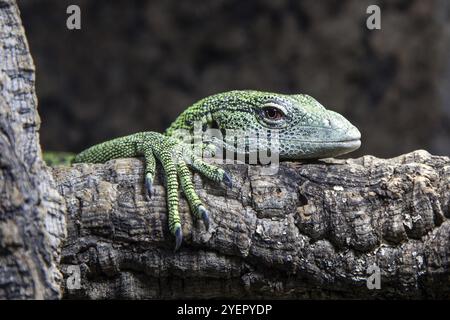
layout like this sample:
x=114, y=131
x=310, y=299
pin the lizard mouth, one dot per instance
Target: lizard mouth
x=320, y=149
x=354, y=143
x=328, y=142
x=345, y=146
x=348, y=141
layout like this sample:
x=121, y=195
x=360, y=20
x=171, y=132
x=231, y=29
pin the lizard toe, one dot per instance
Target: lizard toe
x=204, y=214
x=227, y=180
x=149, y=185
x=178, y=237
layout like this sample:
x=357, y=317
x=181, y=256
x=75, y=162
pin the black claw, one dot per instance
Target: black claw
x=211, y=150
x=204, y=215
x=149, y=186
x=227, y=180
x=178, y=238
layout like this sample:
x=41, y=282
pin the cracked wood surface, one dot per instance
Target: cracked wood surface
x=311, y=230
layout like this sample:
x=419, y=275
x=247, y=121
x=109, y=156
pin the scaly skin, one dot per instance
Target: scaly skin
x=304, y=128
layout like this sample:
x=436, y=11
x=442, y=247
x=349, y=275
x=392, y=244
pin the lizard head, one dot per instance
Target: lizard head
x=303, y=127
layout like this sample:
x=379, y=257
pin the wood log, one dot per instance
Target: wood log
x=312, y=230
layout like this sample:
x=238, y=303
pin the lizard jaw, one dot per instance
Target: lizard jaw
x=346, y=142
x=319, y=149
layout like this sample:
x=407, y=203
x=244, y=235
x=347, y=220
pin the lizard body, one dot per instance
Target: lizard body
x=303, y=127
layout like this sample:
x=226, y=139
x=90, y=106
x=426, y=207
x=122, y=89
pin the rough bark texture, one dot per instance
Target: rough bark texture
x=32, y=221
x=311, y=230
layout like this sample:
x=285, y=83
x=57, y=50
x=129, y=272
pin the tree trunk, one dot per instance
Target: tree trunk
x=32, y=220
x=314, y=230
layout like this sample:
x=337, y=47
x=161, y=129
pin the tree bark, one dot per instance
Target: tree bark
x=310, y=231
x=313, y=230
x=32, y=220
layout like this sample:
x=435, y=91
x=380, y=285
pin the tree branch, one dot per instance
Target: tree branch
x=311, y=230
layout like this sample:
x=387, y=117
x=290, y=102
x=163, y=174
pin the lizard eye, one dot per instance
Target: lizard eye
x=272, y=113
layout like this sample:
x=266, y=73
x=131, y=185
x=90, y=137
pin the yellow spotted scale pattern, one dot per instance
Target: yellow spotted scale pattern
x=305, y=129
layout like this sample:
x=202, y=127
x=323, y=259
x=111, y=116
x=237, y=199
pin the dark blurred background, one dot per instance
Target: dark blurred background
x=135, y=65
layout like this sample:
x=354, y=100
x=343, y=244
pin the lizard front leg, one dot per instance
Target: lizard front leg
x=174, y=157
